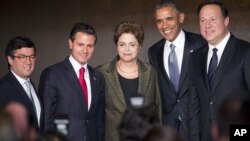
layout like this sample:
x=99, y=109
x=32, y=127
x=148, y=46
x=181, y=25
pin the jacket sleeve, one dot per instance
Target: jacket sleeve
x=194, y=109
x=48, y=94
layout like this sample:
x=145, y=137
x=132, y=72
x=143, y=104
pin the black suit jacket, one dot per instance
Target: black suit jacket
x=61, y=94
x=233, y=74
x=12, y=91
x=175, y=105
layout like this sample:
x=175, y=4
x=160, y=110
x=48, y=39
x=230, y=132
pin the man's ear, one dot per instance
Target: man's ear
x=181, y=17
x=10, y=60
x=70, y=43
x=226, y=21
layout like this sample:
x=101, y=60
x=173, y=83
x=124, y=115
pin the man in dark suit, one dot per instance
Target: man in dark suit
x=218, y=68
x=174, y=93
x=16, y=85
x=75, y=90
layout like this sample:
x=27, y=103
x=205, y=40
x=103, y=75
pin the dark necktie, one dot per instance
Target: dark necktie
x=83, y=84
x=212, y=68
x=173, y=68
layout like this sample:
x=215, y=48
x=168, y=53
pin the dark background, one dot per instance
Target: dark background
x=48, y=23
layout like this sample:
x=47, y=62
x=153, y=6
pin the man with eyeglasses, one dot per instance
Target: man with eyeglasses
x=16, y=85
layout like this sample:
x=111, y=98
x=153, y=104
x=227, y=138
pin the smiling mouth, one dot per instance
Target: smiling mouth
x=167, y=31
x=209, y=31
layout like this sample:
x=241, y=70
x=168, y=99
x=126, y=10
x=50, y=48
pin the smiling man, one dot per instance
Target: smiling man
x=219, y=68
x=74, y=91
x=16, y=85
x=170, y=57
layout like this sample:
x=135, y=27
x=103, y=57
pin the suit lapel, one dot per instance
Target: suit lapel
x=21, y=93
x=112, y=78
x=185, y=61
x=73, y=81
x=144, y=79
x=226, y=57
x=202, y=62
x=93, y=87
x=161, y=60
x=17, y=86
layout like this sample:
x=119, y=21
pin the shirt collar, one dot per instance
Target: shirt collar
x=19, y=79
x=222, y=44
x=179, y=40
x=77, y=65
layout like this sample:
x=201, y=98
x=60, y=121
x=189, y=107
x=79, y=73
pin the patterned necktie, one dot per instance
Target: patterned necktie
x=173, y=68
x=83, y=84
x=212, y=68
x=29, y=92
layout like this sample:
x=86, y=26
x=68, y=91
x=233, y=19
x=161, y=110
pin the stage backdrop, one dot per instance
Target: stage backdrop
x=48, y=23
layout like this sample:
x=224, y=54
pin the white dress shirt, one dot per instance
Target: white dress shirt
x=77, y=67
x=221, y=46
x=33, y=93
x=179, y=43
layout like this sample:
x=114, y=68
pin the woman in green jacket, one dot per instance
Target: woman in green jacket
x=127, y=76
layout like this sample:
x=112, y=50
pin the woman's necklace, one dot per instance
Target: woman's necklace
x=119, y=68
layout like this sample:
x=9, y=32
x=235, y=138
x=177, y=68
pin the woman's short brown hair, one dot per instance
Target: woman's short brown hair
x=129, y=27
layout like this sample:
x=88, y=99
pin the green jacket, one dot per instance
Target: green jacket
x=114, y=97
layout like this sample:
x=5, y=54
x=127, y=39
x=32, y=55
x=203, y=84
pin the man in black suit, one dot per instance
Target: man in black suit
x=169, y=20
x=218, y=68
x=16, y=85
x=75, y=90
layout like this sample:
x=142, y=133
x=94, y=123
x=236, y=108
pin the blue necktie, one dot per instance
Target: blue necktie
x=173, y=68
x=212, y=68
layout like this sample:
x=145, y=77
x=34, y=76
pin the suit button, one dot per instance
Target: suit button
x=178, y=100
x=87, y=121
x=211, y=102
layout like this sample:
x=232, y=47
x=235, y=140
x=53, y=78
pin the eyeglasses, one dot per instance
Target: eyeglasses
x=31, y=58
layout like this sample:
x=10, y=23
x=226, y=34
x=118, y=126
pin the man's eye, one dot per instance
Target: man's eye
x=212, y=20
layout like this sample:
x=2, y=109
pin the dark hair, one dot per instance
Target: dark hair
x=168, y=3
x=84, y=28
x=136, y=123
x=129, y=27
x=162, y=133
x=233, y=110
x=18, y=43
x=54, y=136
x=221, y=5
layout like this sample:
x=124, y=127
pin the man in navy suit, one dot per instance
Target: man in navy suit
x=219, y=68
x=21, y=56
x=169, y=20
x=62, y=92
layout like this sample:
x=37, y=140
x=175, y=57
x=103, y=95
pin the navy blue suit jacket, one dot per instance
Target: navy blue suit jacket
x=12, y=91
x=175, y=104
x=61, y=94
x=232, y=75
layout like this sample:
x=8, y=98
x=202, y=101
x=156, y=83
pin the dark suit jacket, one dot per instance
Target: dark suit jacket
x=115, y=100
x=175, y=104
x=12, y=91
x=62, y=95
x=233, y=74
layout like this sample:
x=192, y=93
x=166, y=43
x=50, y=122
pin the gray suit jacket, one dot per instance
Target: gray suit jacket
x=114, y=97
